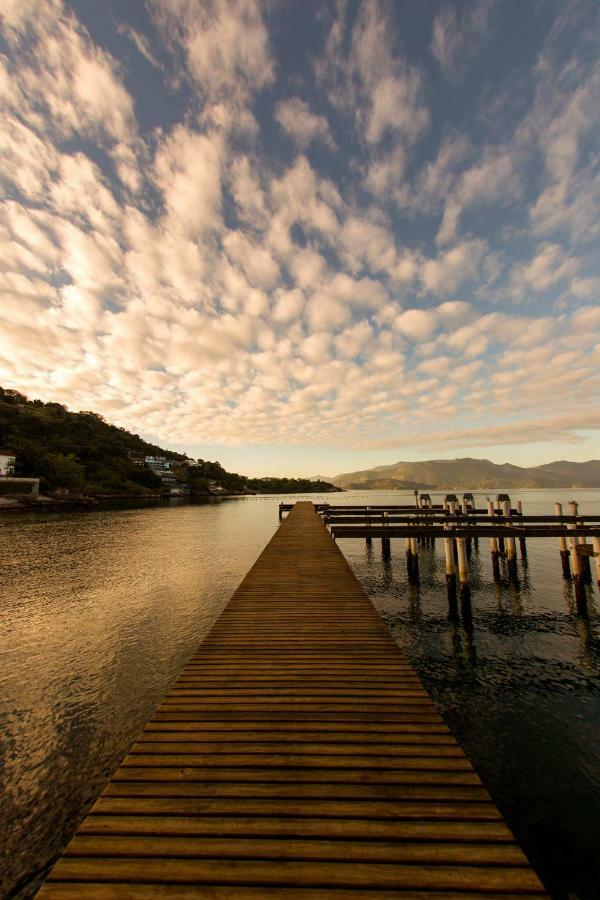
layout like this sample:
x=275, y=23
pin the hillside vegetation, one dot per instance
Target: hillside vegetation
x=82, y=452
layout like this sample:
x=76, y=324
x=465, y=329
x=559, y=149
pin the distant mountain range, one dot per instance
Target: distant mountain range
x=478, y=474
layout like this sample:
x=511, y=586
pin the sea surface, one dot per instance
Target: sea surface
x=100, y=610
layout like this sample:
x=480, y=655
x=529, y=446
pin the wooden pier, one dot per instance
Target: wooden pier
x=297, y=756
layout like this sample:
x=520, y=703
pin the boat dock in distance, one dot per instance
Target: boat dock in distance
x=296, y=757
x=460, y=524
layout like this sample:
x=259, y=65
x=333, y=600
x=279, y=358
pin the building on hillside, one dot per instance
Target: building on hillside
x=159, y=464
x=7, y=463
x=138, y=459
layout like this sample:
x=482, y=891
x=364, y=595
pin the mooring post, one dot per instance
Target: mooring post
x=586, y=569
x=596, y=545
x=498, y=508
x=494, y=545
x=280, y=511
x=409, y=566
x=584, y=562
x=578, y=580
x=522, y=541
x=562, y=544
x=450, y=574
x=385, y=541
x=465, y=511
x=511, y=549
x=368, y=540
x=463, y=577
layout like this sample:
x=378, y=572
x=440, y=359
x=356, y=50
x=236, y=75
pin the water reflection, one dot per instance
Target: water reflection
x=102, y=609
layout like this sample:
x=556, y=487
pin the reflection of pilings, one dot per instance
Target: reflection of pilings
x=596, y=545
x=463, y=577
x=494, y=546
x=522, y=541
x=385, y=541
x=562, y=544
x=414, y=573
x=586, y=569
x=578, y=580
x=450, y=575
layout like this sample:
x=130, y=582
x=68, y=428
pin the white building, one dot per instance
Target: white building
x=159, y=464
x=7, y=463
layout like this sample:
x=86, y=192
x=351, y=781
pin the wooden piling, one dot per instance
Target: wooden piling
x=494, y=544
x=562, y=545
x=596, y=545
x=578, y=579
x=522, y=541
x=386, y=551
x=511, y=549
x=450, y=575
x=586, y=572
x=585, y=560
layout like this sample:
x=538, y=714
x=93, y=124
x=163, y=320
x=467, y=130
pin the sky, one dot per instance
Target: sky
x=306, y=237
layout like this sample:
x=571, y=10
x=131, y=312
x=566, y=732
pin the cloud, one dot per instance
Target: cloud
x=224, y=42
x=451, y=269
x=416, y=324
x=548, y=267
x=302, y=125
x=190, y=280
x=370, y=80
x=459, y=35
x=141, y=44
x=187, y=170
x=551, y=429
x=493, y=178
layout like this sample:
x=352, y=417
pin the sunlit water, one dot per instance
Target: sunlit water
x=100, y=610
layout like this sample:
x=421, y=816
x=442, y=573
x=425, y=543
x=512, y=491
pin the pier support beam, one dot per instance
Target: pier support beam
x=562, y=546
x=578, y=580
x=511, y=548
x=596, y=545
x=494, y=545
x=386, y=550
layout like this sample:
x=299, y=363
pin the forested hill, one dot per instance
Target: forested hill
x=86, y=454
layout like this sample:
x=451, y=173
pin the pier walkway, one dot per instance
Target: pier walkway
x=297, y=756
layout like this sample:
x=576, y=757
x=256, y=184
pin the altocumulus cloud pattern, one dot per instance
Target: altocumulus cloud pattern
x=337, y=223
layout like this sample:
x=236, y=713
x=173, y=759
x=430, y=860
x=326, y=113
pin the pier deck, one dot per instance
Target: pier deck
x=297, y=756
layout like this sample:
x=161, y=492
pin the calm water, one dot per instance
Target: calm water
x=99, y=611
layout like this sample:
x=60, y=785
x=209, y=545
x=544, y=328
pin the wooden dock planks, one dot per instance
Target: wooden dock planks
x=297, y=756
